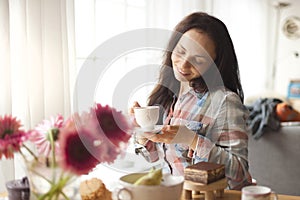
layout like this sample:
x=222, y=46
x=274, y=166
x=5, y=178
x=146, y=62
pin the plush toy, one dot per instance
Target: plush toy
x=286, y=113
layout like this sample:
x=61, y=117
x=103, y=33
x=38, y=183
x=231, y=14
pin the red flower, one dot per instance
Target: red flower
x=107, y=152
x=11, y=136
x=113, y=124
x=102, y=148
x=99, y=136
x=77, y=149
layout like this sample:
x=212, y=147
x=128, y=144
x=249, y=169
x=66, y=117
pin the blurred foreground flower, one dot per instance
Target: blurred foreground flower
x=112, y=124
x=77, y=154
x=11, y=136
x=40, y=135
x=66, y=149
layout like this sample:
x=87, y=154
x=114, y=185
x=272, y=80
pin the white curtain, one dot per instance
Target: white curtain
x=97, y=21
x=250, y=24
x=37, y=63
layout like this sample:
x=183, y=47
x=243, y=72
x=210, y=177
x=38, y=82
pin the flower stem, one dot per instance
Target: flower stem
x=42, y=176
x=52, y=142
x=31, y=152
x=53, y=162
x=56, y=189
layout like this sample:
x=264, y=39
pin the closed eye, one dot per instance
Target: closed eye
x=199, y=60
x=180, y=51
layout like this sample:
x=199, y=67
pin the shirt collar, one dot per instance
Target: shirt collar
x=191, y=91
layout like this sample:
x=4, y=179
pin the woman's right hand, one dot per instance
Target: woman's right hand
x=131, y=112
x=131, y=109
x=139, y=138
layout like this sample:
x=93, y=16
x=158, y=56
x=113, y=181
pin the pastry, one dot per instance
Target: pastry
x=94, y=189
x=204, y=172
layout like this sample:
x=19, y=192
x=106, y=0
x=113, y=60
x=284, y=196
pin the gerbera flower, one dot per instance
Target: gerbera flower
x=113, y=124
x=11, y=136
x=107, y=151
x=101, y=147
x=76, y=153
x=40, y=135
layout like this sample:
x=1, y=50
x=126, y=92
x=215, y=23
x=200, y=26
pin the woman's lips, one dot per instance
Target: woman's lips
x=183, y=72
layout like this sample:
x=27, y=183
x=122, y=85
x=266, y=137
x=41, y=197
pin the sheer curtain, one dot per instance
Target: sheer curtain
x=97, y=21
x=250, y=24
x=36, y=65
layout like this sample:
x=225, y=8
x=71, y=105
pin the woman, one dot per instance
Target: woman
x=201, y=97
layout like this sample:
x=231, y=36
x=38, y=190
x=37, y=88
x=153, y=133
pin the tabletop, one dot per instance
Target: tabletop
x=236, y=195
x=228, y=195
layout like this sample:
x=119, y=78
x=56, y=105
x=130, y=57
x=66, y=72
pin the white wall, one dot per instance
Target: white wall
x=261, y=46
x=249, y=23
x=288, y=65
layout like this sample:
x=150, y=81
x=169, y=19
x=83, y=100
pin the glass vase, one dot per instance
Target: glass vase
x=51, y=182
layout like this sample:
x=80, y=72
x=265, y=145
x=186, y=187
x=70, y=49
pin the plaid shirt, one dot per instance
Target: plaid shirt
x=219, y=120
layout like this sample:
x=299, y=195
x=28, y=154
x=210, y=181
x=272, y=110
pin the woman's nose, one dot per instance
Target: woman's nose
x=185, y=63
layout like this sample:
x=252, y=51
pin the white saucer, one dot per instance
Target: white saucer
x=157, y=129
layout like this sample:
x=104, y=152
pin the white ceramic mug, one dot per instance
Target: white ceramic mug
x=258, y=193
x=170, y=188
x=146, y=117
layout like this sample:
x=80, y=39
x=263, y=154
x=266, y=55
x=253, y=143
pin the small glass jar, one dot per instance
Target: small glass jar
x=18, y=189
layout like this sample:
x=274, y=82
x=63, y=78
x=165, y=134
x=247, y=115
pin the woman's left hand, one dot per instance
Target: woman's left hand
x=172, y=134
x=167, y=134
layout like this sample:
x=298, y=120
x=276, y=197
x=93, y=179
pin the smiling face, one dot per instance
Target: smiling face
x=193, y=55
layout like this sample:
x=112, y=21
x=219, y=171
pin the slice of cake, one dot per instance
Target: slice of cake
x=204, y=172
x=94, y=189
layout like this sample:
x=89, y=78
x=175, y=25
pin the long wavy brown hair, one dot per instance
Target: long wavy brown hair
x=226, y=61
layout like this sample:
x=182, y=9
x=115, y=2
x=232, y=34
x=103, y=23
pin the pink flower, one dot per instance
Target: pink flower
x=11, y=136
x=77, y=149
x=99, y=136
x=40, y=135
x=107, y=151
x=113, y=124
x=102, y=148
